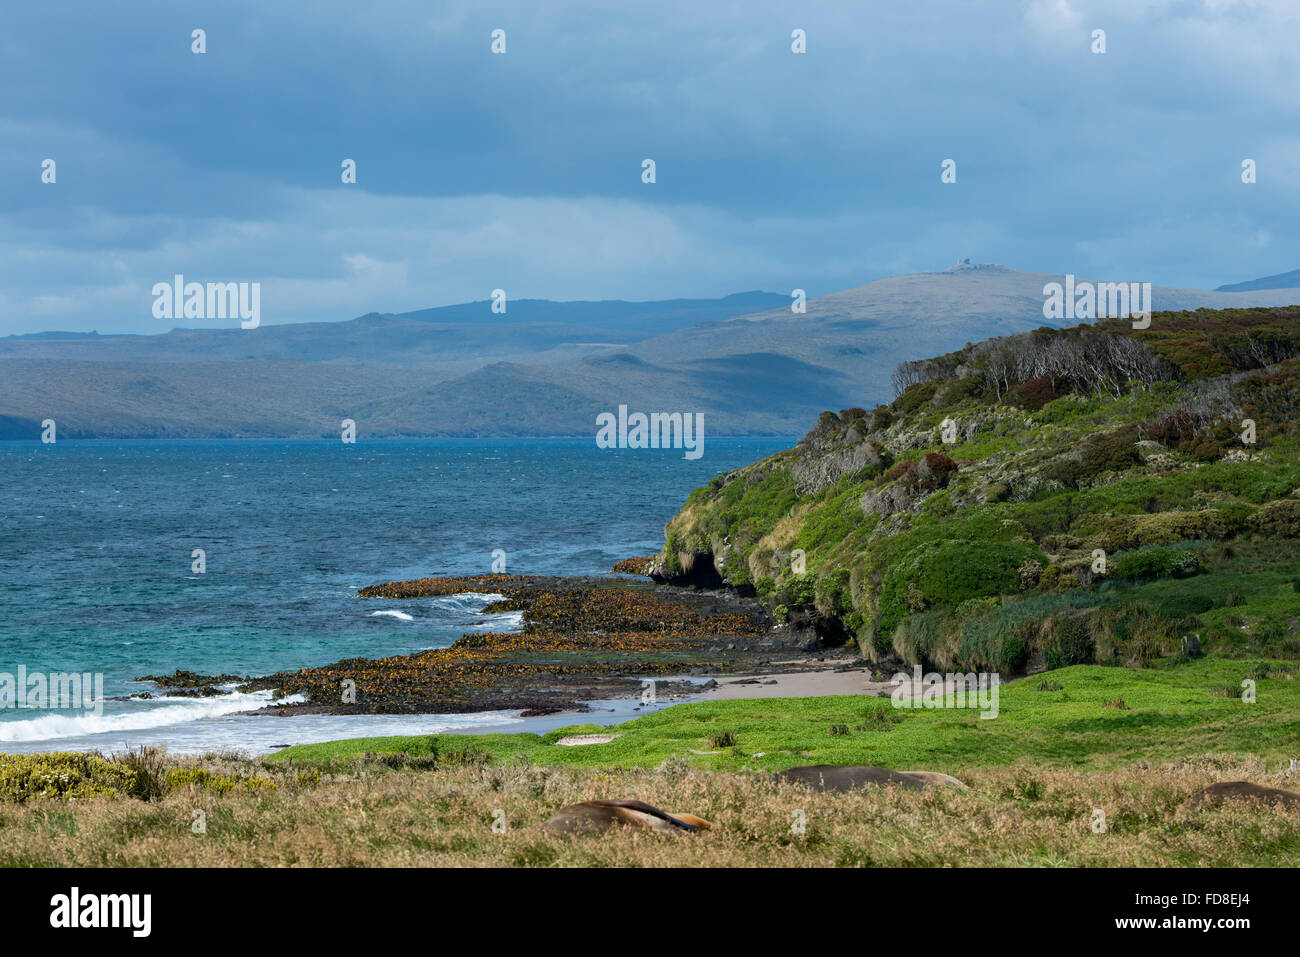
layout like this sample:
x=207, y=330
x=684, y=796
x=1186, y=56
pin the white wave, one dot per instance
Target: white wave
x=143, y=715
x=469, y=602
x=501, y=621
x=393, y=613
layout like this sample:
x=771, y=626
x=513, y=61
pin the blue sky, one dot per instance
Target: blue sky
x=523, y=171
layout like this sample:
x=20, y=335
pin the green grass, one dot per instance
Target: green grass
x=1172, y=711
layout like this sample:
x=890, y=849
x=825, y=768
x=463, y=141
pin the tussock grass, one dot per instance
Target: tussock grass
x=375, y=812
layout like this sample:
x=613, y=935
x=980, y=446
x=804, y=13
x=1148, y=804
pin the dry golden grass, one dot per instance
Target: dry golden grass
x=370, y=813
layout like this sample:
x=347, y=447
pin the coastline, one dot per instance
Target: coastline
x=812, y=683
x=580, y=640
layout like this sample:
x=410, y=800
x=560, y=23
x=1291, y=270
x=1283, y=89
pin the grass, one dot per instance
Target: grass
x=1059, y=750
x=1170, y=712
x=376, y=813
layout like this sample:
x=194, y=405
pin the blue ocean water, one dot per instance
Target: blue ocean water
x=96, y=543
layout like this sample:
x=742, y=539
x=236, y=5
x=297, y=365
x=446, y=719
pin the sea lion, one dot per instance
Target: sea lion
x=834, y=777
x=1217, y=793
x=596, y=817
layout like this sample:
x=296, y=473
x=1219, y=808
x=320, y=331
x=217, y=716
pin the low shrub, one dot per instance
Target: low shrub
x=723, y=739
x=1157, y=561
x=949, y=572
x=1281, y=518
x=63, y=775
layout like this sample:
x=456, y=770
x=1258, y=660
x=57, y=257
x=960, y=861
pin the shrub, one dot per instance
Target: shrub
x=146, y=767
x=914, y=396
x=220, y=783
x=933, y=471
x=1034, y=394
x=968, y=387
x=1119, y=532
x=1278, y=518
x=799, y=591
x=898, y=470
x=63, y=775
x=949, y=572
x=877, y=720
x=1110, y=452
x=1157, y=561
x=1069, y=643
x=723, y=739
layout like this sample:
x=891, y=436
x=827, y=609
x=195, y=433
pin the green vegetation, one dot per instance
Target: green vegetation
x=146, y=774
x=62, y=775
x=1070, y=721
x=1086, y=495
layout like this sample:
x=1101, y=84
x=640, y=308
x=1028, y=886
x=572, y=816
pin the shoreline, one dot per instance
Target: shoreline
x=579, y=640
x=819, y=683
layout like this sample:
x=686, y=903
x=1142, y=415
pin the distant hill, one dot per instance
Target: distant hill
x=1284, y=280
x=455, y=338
x=544, y=368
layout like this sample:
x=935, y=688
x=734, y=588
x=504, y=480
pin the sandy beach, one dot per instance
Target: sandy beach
x=800, y=684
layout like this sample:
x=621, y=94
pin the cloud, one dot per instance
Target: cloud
x=522, y=171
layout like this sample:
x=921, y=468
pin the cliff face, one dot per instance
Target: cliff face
x=1095, y=494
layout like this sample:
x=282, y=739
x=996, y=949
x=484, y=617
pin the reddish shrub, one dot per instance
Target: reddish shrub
x=1034, y=394
x=934, y=471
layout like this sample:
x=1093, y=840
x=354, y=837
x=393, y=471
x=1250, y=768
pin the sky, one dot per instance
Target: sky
x=523, y=170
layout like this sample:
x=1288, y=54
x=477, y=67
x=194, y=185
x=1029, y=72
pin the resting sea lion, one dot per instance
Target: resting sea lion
x=596, y=817
x=1218, y=793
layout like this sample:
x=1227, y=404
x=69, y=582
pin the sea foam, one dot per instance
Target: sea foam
x=142, y=716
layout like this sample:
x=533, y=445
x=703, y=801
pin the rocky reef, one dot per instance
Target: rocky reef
x=582, y=639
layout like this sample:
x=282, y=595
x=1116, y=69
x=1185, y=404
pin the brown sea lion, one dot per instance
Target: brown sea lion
x=596, y=817
x=1242, y=790
x=834, y=777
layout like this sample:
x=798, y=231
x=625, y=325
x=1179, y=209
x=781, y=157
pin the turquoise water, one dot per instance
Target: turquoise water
x=96, y=543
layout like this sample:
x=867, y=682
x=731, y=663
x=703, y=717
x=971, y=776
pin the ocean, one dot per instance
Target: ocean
x=97, y=565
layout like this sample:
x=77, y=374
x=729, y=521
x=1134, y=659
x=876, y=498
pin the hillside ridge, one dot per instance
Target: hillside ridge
x=1097, y=494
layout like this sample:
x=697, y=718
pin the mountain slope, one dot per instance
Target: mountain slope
x=1285, y=280
x=543, y=368
x=1047, y=498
